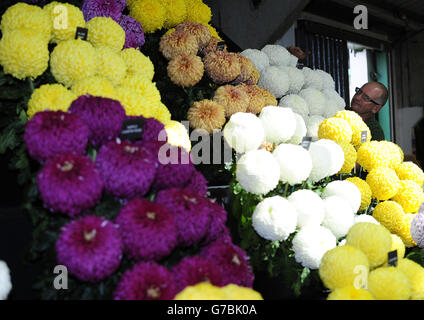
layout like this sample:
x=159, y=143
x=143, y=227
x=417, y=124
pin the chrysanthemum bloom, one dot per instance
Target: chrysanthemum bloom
x=176, y=43
x=327, y=79
x=212, y=46
x=394, y=152
x=198, y=30
x=235, y=292
x=296, y=103
x=5, y=281
x=127, y=170
x=97, y=86
x=197, y=183
x=384, y=183
x=64, y=29
x=146, y=281
x=331, y=108
x=336, y=155
x=248, y=72
x=389, y=283
x=370, y=155
x=256, y=101
x=134, y=34
x=410, y=196
x=149, y=230
x=185, y=70
x=372, y=239
x=336, y=129
x=390, y=214
x=417, y=229
x=350, y=293
x=346, y=190
x=357, y=125
x=23, y=53
x=70, y=184
x=207, y=115
x=26, y=16
x=232, y=261
x=103, y=116
x=277, y=54
x=332, y=94
x=90, y=247
x=218, y=226
x=312, y=79
x=150, y=13
x=190, y=211
x=350, y=156
x=134, y=102
x=297, y=79
x=201, y=291
x=300, y=131
x=398, y=245
x=72, y=60
x=310, y=244
x=295, y=163
x=315, y=99
x=415, y=273
x=147, y=89
x=138, y=63
x=339, y=217
x=176, y=12
x=275, y=80
x=410, y=171
x=244, y=132
x=195, y=269
x=279, y=123
x=312, y=125
x=104, y=31
x=268, y=96
x=258, y=58
x=111, y=65
x=222, y=67
x=103, y=8
x=344, y=266
x=52, y=132
x=274, y=218
x=365, y=190
x=309, y=206
x=52, y=97
x=198, y=12
x=232, y=99
x=178, y=135
x=161, y=113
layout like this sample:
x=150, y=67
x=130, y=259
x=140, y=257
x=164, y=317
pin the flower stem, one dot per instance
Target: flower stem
x=285, y=189
x=31, y=84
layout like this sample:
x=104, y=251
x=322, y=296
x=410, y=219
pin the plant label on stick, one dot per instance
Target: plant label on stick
x=81, y=33
x=306, y=142
x=393, y=258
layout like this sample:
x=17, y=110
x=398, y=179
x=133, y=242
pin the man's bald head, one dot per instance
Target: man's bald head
x=382, y=90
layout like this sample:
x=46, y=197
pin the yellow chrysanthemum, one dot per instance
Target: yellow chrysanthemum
x=336, y=129
x=150, y=13
x=145, y=88
x=349, y=156
x=415, y=273
x=389, y=283
x=176, y=12
x=398, y=245
x=132, y=101
x=138, y=63
x=201, y=291
x=372, y=239
x=178, y=135
x=111, y=65
x=350, y=293
x=384, y=183
x=72, y=60
x=365, y=190
x=213, y=31
x=198, y=12
x=357, y=124
x=96, y=86
x=394, y=152
x=24, y=53
x=372, y=154
x=52, y=97
x=163, y=114
x=105, y=32
x=235, y=292
x=410, y=171
x=344, y=266
x=410, y=196
x=65, y=18
x=25, y=16
x=390, y=214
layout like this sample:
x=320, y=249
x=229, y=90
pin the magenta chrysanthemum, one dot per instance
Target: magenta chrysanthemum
x=104, y=117
x=146, y=281
x=49, y=133
x=103, y=8
x=148, y=229
x=127, y=170
x=134, y=35
x=90, y=247
x=70, y=184
x=218, y=222
x=197, y=183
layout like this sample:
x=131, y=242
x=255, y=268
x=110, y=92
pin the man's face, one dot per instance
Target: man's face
x=363, y=106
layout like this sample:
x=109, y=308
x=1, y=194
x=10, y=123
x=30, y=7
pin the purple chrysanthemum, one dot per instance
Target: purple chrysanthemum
x=231, y=260
x=134, y=35
x=191, y=213
x=90, y=247
x=146, y=281
x=103, y=8
x=127, y=170
x=49, y=133
x=417, y=229
x=70, y=184
x=104, y=117
x=148, y=229
x=192, y=270
x=218, y=222
x=197, y=183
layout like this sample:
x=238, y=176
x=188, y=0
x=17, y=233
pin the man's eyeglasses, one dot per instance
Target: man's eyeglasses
x=366, y=97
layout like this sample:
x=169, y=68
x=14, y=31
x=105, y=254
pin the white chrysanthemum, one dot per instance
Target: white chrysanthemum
x=365, y=218
x=5, y=281
x=321, y=161
x=296, y=103
x=295, y=163
x=339, y=216
x=275, y=80
x=244, y=132
x=311, y=243
x=309, y=206
x=300, y=131
x=327, y=79
x=337, y=155
x=312, y=125
x=331, y=108
x=293, y=60
x=332, y=94
x=274, y=218
x=279, y=123
x=297, y=79
x=312, y=79
x=259, y=59
x=315, y=99
x=258, y=171
x=278, y=55
x=346, y=190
